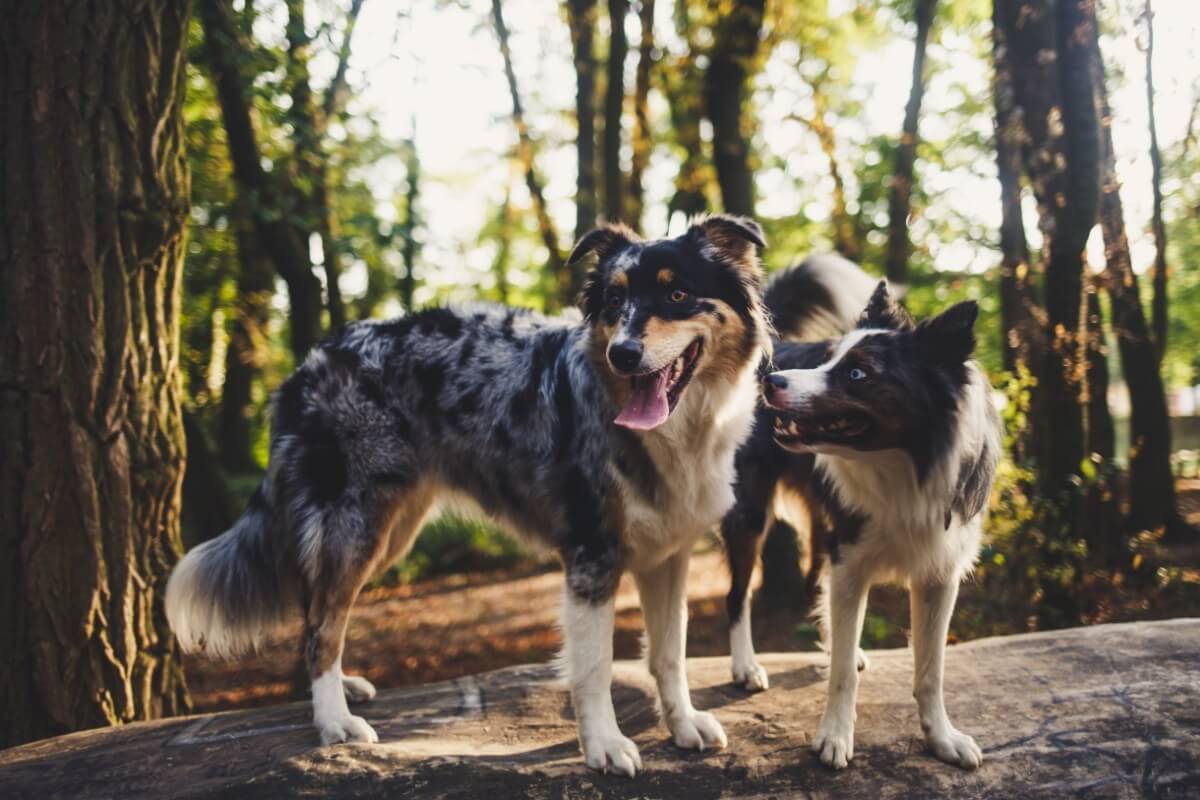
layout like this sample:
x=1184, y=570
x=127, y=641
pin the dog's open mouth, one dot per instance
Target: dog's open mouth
x=797, y=430
x=655, y=394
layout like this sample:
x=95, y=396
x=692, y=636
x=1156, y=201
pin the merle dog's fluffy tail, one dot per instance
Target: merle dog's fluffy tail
x=819, y=298
x=228, y=592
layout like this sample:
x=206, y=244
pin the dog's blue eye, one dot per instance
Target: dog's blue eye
x=857, y=374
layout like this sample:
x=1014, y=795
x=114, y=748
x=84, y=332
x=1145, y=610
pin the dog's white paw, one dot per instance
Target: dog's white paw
x=750, y=676
x=834, y=742
x=358, y=690
x=698, y=730
x=610, y=751
x=955, y=747
x=863, y=662
x=346, y=729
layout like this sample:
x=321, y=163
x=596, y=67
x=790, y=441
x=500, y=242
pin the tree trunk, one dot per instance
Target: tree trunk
x=642, y=139
x=845, y=234
x=408, y=227
x=1159, y=274
x=1101, y=436
x=683, y=86
x=208, y=507
x=558, y=269
x=731, y=60
x=91, y=249
x=1151, y=483
x=1052, y=91
x=224, y=53
x=614, y=105
x=900, y=191
x=581, y=16
x=247, y=350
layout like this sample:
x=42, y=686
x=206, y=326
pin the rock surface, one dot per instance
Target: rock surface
x=1108, y=711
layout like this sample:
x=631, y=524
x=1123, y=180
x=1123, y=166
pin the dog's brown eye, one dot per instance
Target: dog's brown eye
x=678, y=296
x=615, y=300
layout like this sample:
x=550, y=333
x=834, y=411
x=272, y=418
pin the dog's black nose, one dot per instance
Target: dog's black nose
x=775, y=380
x=626, y=355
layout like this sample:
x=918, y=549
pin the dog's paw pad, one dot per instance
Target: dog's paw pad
x=956, y=748
x=611, y=752
x=358, y=690
x=699, y=730
x=347, y=729
x=751, y=677
x=834, y=745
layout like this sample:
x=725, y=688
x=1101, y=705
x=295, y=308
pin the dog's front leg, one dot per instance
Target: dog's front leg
x=834, y=742
x=931, y=605
x=588, y=650
x=663, y=592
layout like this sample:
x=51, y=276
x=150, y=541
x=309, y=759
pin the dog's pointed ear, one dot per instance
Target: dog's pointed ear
x=602, y=241
x=950, y=336
x=729, y=238
x=884, y=312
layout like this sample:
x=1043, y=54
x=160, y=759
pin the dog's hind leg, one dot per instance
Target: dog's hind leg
x=931, y=605
x=847, y=601
x=663, y=593
x=336, y=564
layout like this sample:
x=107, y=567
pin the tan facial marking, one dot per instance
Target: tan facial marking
x=621, y=279
x=665, y=276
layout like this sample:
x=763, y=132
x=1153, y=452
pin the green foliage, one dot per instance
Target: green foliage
x=453, y=543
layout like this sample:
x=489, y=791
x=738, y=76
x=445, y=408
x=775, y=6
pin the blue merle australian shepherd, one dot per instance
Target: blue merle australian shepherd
x=610, y=440
x=888, y=438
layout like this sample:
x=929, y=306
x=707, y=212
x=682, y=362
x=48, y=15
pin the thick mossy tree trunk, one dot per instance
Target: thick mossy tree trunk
x=900, y=191
x=731, y=60
x=92, y=220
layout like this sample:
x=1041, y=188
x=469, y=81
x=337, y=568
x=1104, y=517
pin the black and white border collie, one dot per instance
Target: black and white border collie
x=889, y=438
x=610, y=440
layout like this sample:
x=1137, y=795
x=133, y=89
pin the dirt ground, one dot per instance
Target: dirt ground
x=466, y=624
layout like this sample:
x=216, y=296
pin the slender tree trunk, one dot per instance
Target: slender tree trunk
x=246, y=353
x=224, y=53
x=91, y=248
x=408, y=228
x=208, y=507
x=1160, y=273
x=900, y=191
x=642, y=137
x=731, y=60
x=1101, y=436
x=683, y=85
x=845, y=234
x=557, y=265
x=614, y=105
x=503, y=249
x=1022, y=326
x=581, y=15
x=1151, y=482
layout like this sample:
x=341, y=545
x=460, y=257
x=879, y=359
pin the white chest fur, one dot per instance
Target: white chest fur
x=693, y=453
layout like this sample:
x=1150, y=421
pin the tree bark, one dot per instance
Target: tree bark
x=93, y=211
x=1151, y=482
x=614, y=105
x=223, y=53
x=900, y=190
x=581, y=17
x=731, y=60
x=1022, y=321
x=1160, y=272
x=208, y=507
x=642, y=137
x=1052, y=92
x=558, y=269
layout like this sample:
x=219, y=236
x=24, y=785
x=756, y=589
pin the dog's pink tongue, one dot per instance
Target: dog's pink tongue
x=648, y=407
